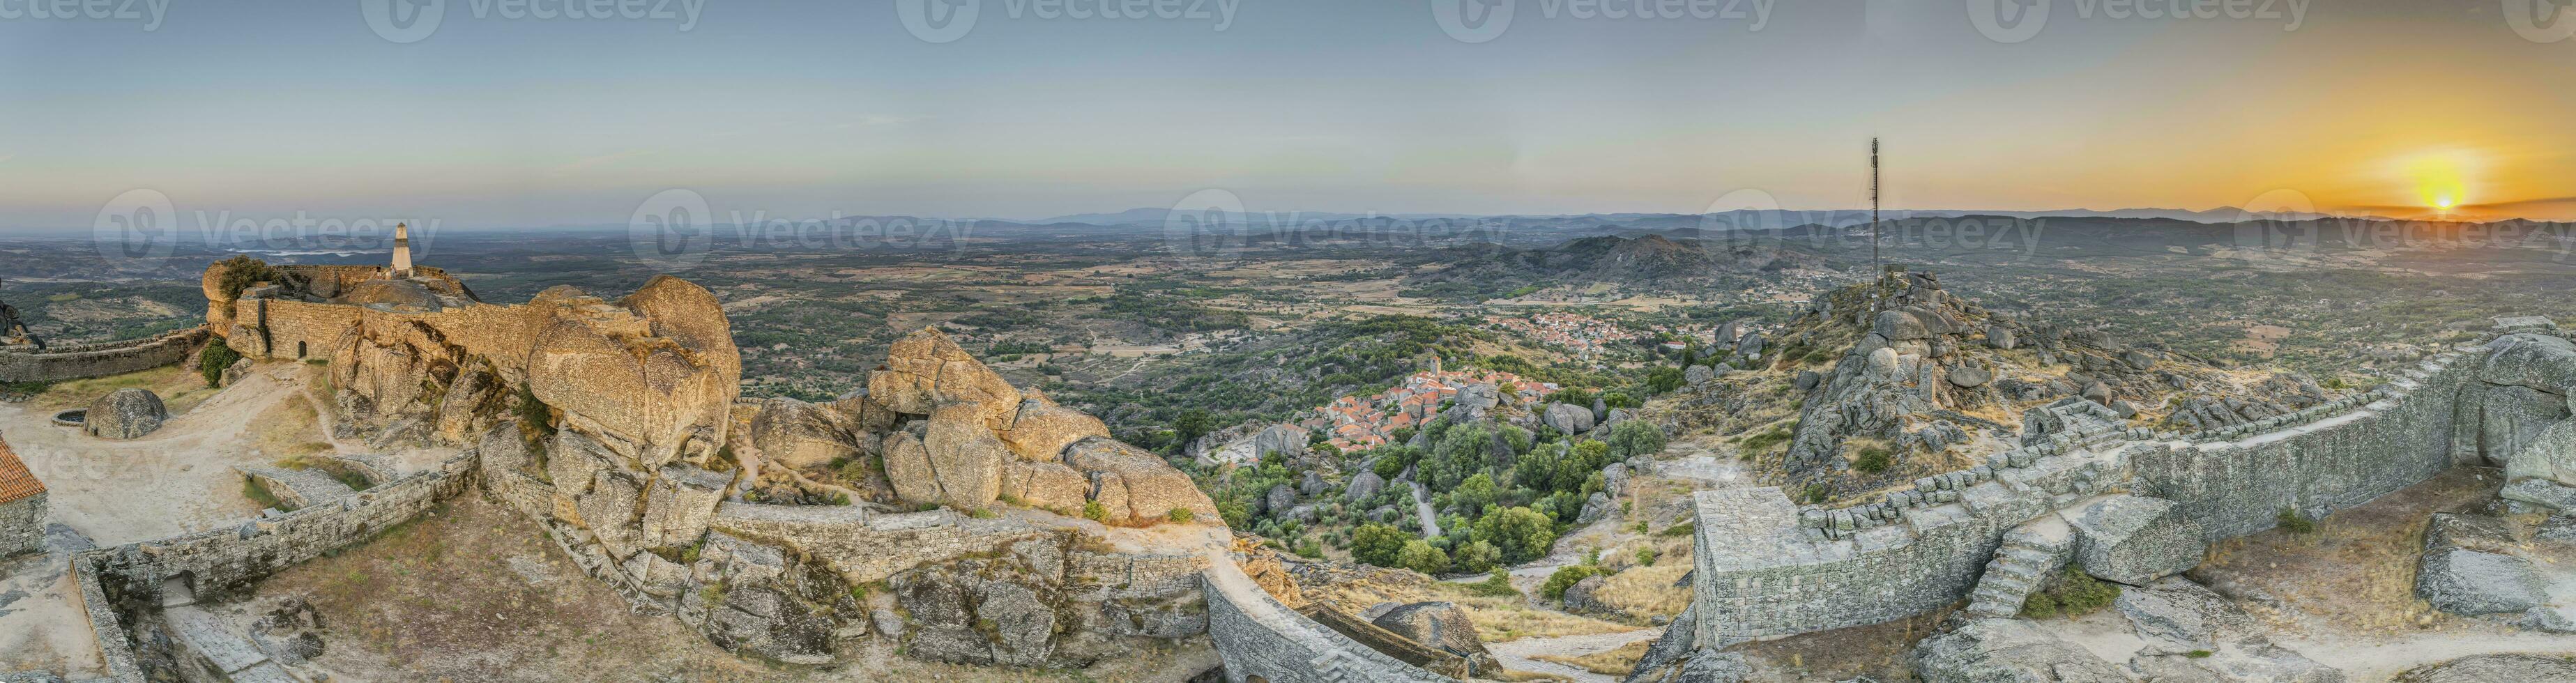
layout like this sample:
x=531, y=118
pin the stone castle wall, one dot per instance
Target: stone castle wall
x=1761, y=570
x=115, y=580
x=2235, y=488
x=1264, y=640
x=285, y=329
x=1765, y=567
x=22, y=526
x=64, y=363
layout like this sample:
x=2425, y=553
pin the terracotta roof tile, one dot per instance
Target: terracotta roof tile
x=16, y=483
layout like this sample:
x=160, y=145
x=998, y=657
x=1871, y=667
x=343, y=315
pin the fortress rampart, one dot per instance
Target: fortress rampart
x=1766, y=567
x=70, y=362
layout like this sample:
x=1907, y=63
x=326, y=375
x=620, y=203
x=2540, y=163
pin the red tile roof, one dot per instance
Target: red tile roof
x=16, y=483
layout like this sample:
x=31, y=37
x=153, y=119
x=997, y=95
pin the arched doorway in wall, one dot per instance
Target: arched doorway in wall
x=299, y=350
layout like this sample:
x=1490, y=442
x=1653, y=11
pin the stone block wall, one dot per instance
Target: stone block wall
x=1766, y=567
x=22, y=526
x=2239, y=487
x=1763, y=570
x=1258, y=637
x=62, y=363
x=279, y=326
x=116, y=579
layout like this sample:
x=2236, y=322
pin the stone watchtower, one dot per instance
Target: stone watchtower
x=402, y=251
x=22, y=507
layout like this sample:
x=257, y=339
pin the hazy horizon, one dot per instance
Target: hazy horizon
x=810, y=109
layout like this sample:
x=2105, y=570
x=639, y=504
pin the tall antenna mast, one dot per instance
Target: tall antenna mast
x=1874, y=262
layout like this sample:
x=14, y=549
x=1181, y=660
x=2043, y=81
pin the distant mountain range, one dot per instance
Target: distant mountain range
x=1742, y=218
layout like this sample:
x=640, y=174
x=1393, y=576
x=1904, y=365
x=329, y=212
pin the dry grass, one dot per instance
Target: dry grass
x=179, y=389
x=438, y=598
x=1497, y=619
x=289, y=430
x=2356, y=572
x=1648, y=592
x=1617, y=662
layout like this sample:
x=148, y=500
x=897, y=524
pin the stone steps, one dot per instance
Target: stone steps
x=2029, y=553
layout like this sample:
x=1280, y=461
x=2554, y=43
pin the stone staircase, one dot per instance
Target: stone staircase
x=2029, y=554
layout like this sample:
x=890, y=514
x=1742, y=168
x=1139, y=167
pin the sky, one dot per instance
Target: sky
x=492, y=117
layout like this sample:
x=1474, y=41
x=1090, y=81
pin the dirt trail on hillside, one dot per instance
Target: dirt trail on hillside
x=173, y=481
x=1520, y=655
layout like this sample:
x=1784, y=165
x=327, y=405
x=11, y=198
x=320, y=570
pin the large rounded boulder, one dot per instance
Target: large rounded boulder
x=125, y=414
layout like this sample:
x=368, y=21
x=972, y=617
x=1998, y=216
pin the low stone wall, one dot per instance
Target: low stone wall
x=64, y=363
x=1258, y=637
x=215, y=561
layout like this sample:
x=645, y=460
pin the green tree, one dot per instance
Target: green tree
x=1477, y=557
x=1474, y=494
x=1521, y=533
x=1192, y=424
x=1634, y=438
x=1377, y=544
x=1422, y=557
x=217, y=356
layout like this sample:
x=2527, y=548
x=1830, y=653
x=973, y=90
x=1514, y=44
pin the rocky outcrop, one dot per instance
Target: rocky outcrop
x=2135, y=539
x=1568, y=419
x=2465, y=573
x=2492, y=668
x=125, y=414
x=1439, y=625
x=1040, y=430
x=1131, y=484
x=2009, y=651
x=797, y=434
x=925, y=370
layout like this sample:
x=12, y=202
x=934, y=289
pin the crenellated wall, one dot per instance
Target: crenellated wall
x=1766, y=567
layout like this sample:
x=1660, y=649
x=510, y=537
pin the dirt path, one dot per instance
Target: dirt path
x=1422, y=506
x=1520, y=654
x=173, y=481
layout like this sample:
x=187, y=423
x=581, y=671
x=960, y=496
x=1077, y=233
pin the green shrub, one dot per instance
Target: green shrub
x=1095, y=512
x=2198, y=654
x=1498, y=584
x=1476, y=557
x=1422, y=557
x=2296, y=523
x=1181, y=515
x=1565, y=577
x=1646, y=556
x=1873, y=460
x=1683, y=529
x=2076, y=594
x=241, y=272
x=212, y=361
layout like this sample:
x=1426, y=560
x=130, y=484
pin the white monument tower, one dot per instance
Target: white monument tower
x=402, y=251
